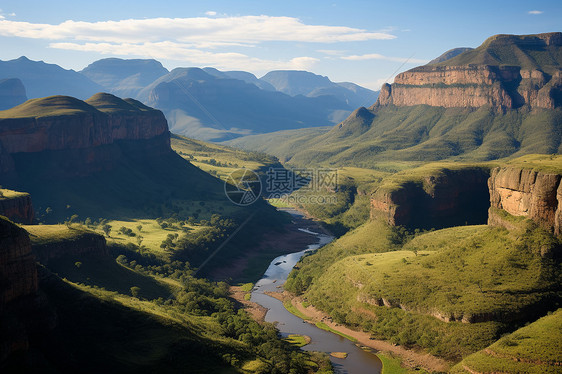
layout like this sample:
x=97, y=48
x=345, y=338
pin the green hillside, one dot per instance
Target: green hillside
x=535, y=348
x=474, y=273
x=527, y=51
x=378, y=135
x=157, y=317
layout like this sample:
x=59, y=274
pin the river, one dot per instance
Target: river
x=358, y=361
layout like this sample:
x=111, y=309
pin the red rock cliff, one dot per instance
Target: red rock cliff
x=526, y=193
x=477, y=79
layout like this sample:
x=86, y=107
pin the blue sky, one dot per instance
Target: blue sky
x=360, y=41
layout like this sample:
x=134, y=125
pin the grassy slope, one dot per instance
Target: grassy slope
x=6, y=194
x=167, y=327
x=418, y=133
x=464, y=270
x=535, y=348
x=514, y=50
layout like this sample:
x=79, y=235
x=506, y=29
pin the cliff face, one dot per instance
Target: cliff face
x=18, y=208
x=494, y=74
x=18, y=273
x=81, y=138
x=86, y=243
x=526, y=193
x=503, y=87
x=450, y=198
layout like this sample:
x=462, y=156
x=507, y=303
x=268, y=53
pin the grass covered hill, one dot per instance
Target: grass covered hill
x=534, y=348
x=417, y=133
x=540, y=52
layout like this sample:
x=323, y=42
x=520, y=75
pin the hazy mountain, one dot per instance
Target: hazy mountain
x=295, y=82
x=449, y=54
x=12, y=93
x=501, y=99
x=41, y=79
x=241, y=75
x=210, y=105
x=124, y=78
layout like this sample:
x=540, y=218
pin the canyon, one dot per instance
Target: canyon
x=472, y=195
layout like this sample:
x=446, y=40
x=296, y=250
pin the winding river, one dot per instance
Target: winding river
x=358, y=361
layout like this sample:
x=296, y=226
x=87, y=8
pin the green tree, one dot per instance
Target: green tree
x=135, y=291
x=106, y=229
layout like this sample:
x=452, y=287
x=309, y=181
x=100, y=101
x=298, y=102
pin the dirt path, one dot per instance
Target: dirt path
x=410, y=358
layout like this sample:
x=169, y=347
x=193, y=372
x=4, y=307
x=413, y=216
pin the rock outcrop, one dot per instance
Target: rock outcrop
x=82, y=243
x=484, y=77
x=81, y=137
x=18, y=288
x=12, y=93
x=16, y=206
x=18, y=273
x=526, y=193
x=444, y=199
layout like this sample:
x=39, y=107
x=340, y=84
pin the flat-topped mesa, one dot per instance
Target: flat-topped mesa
x=505, y=72
x=89, y=132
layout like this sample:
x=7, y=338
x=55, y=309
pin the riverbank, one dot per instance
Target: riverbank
x=410, y=358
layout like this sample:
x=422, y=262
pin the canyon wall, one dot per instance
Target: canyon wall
x=17, y=208
x=504, y=73
x=80, y=138
x=444, y=199
x=83, y=243
x=503, y=87
x=18, y=288
x=526, y=193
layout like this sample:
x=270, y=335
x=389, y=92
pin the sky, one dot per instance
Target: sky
x=361, y=41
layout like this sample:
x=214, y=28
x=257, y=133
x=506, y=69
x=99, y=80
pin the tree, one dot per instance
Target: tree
x=135, y=291
x=78, y=264
x=139, y=227
x=106, y=229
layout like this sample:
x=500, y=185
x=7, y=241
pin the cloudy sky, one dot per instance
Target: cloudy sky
x=361, y=41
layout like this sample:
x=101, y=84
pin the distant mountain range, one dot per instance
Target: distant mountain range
x=204, y=103
x=501, y=99
x=41, y=79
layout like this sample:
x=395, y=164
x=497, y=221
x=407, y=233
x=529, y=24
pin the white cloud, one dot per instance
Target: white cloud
x=211, y=13
x=535, y=12
x=330, y=52
x=243, y=29
x=376, y=56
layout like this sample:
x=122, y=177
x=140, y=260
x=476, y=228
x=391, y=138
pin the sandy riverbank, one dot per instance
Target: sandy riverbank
x=410, y=358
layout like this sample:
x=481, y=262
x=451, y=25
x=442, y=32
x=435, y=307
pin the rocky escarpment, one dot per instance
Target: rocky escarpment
x=12, y=93
x=442, y=199
x=528, y=193
x=18, y=274
x=79, y=137
x=66, y=241
x=18, y=287
x=494, y=74
x=16, y=206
